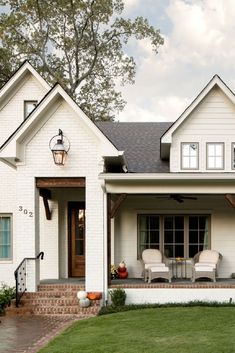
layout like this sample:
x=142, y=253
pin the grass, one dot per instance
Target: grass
x=161, y=330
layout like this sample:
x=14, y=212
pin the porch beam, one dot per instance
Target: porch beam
x=46, y=195
x=231, y=199
x=117, y=205
x=61, y=182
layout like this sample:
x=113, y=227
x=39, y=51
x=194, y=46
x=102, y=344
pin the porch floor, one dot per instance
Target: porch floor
x=139, y=283
x=176, y=283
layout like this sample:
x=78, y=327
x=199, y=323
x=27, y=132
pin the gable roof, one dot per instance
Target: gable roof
x=9, y=149
x=166, y=139
x=18, y=76
x=140, y=143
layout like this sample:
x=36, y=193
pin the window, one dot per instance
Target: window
x=189, y=155
x=149, y=232
x=5, y=238
x=198, y=234
x=233, y=155
x=174, y=235
x=215, y=155
x=29, y=107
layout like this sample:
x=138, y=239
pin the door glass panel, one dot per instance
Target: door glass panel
x=179, y=236
x=79, y=232
x=169, y=236
x=154, y=236
x=168, y=250
x=168, y=222
x=193, y=237
x=153, y=222
x=179, y=251
x=179, y=222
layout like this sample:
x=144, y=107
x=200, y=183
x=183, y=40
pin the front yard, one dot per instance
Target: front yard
x=161, y=330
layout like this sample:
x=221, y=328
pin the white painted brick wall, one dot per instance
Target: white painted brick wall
x=12, y=112
x=82, y=161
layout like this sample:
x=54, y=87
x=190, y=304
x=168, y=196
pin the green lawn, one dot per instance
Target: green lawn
x=158, y=330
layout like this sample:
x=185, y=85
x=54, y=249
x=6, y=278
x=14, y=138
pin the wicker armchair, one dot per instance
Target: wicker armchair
x=155, y=265
x=205, y=265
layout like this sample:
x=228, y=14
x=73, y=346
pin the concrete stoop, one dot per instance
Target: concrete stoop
x=54, y=299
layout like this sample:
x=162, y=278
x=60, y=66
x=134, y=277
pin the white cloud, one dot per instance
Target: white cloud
x=199, y=44
x=129, y=4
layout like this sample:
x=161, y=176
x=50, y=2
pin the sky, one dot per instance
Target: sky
x=198, y=43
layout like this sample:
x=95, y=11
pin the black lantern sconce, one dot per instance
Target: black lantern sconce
x=60, y=148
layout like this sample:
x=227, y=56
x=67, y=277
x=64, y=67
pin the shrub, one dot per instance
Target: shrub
x=105, y=310
x=118, y=297
x=6, y=295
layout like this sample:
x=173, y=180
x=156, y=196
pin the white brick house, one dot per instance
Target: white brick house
x=123, y=187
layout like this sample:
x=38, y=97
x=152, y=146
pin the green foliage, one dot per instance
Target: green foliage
x=6, y=295
x=79, y=44
x=110, y=309
x=118, y=297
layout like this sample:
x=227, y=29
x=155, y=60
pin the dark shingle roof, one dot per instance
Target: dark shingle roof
x=141, y=143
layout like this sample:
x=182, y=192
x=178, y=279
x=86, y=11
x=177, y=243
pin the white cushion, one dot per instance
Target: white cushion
x=159, y=269
x=204, y=269
x=160, y=264
x=202, y=264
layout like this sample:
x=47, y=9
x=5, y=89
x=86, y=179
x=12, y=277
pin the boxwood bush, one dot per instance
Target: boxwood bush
x=6, y=295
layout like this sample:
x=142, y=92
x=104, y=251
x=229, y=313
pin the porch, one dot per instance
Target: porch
x=159, y=291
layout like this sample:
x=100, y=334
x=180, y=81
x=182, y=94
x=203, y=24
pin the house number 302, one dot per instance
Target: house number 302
x=25, y=211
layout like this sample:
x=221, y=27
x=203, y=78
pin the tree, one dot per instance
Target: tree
x=78, y=43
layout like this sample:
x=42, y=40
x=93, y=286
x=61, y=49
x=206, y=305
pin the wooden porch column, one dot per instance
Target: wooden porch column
x=109, y=237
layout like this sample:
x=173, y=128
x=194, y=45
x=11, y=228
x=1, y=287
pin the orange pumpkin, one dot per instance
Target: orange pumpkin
x=123, y=275
x=94, y=295
x=91, y=296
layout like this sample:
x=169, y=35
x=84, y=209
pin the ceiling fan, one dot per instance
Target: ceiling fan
x=177, y=197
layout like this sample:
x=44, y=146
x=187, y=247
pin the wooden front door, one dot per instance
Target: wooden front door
x=77, y=239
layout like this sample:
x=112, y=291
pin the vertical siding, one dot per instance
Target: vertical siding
x=212, y=121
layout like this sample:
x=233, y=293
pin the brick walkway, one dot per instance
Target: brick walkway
x=27, y=334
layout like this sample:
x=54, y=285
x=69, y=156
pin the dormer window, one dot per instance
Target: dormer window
x=215, y=155
x=189, y=155
x=29, y=107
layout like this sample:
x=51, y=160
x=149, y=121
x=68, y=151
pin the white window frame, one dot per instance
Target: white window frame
x=207, y=155
x=6, y=259
x=33, y=102
x=182, y=156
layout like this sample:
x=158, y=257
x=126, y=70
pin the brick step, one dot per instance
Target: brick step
x=61, y=287
x=50, y=294
x=54, y=302
x=54, y=299
x=65, y=310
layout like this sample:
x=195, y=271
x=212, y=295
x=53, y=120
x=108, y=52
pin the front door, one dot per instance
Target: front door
x=77, y=239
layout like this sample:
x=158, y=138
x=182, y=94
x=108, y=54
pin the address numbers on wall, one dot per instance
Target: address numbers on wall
x=25, y=211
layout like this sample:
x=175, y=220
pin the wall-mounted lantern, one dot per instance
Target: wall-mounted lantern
x=60, y=148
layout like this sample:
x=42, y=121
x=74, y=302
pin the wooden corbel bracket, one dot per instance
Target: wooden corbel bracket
x=46, y=195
